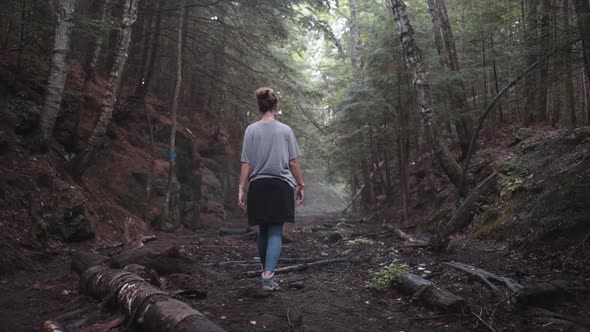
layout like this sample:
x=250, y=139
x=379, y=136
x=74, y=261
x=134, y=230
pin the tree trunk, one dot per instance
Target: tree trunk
x=495, y=71
x=421, y=82
x=90, y=70
x=83, y=159
x=354, y=40
x=21, y=44
x=543, y=39
x=58, y=73
x=403, y=168
x=173, y=111
x=583, y=11
x=368, y=198
x=436, y=32
x=531, y=40
x=570, y=98
x=149, y=72
x=458, y=95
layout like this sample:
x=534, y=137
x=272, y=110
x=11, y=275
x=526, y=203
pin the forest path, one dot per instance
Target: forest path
x=333, y=297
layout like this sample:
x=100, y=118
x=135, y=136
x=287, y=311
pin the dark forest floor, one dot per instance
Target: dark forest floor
x=333, y=298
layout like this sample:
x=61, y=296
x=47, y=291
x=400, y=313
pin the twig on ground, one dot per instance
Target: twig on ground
x=369, y=234
x=436, y=317
x=563, y=266
x=486, y=324
x=300, y=267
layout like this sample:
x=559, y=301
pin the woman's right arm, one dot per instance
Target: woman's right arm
x=296, y=170
x=243, y=178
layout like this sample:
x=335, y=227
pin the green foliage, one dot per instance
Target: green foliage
x=510, y=185
x=487, y=153
x=387, y=276
x=524, y=133
x=363, y=241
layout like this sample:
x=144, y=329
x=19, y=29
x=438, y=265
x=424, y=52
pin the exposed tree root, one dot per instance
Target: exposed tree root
x=487, y=277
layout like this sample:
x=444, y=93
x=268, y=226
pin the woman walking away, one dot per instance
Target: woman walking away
x=269, y=164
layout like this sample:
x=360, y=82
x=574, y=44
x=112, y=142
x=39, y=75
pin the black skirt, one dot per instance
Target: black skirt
x=270, y=201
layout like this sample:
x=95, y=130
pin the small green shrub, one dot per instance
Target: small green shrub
x=510, y=185
x=363, y=241
x=486, y=153
x=387, y=276
x=524, y=133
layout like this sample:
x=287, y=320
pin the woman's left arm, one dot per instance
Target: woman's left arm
x=243, y=178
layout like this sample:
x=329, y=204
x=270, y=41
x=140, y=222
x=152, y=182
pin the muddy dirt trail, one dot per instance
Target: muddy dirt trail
x=332, y=297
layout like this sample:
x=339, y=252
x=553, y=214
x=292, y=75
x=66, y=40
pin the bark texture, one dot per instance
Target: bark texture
x=151, y=309
x=82, y=160
x=458, y=97
x=90, y=69
x=58, y=73
x=531, y=39
x=429, y=293
x=173, y=111
x=421, y=82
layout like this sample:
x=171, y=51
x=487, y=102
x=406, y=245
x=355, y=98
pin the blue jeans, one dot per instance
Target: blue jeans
x=269, y=245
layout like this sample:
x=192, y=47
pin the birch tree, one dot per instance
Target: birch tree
x=90, y=69
x=58, y=72
x=422, y=84
x=444, y=35
x=83, y=159
x=173, y=111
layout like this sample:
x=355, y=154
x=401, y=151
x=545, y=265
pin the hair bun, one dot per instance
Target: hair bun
x=266, y=99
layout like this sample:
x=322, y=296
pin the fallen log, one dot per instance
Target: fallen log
x=148, y=238
x=143, y=304
x=429, y=293
x=486, y=277
x=162, y=260
x=109, y=246
x=300, y=267
x=410, y=240
x=49, y=326
x=82, y=260
x=463, y=215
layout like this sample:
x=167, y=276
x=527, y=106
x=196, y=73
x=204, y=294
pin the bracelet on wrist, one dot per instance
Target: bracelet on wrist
x=301, y=186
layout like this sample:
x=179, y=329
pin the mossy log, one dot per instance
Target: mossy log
x=429, y=293
x=463, y=215
x=145, y=305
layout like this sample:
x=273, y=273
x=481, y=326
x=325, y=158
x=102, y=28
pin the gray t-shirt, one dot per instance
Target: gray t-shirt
x=268, y=147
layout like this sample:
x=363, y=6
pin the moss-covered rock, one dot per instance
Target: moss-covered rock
x=524, y=133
